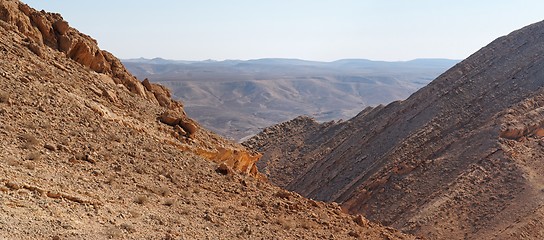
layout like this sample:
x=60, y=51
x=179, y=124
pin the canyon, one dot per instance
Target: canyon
x=88, y=151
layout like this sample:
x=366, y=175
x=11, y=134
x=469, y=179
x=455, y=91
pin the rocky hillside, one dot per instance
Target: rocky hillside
x=43, y=33
x=295, y=138
x=89, y=152
x=460, y=158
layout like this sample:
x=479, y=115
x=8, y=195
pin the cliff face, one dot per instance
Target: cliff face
x=457, y=159
x=43, y=29
x=43, y=32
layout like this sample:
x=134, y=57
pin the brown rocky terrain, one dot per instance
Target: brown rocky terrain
x=461, y=158
x=295, y=138
x=89, y=152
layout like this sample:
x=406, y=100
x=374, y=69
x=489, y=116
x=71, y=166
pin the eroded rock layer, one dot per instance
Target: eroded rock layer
x=461, y=158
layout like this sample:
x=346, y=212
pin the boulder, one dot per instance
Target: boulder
x=64, y=44
x=35, y=48
x=180, y=130
x=513, y=133
x=161, y=93
x=189, y=126
x=170, y=117
x=361, y=221
x=110, y=95
x=61, y=27
x=224, y=169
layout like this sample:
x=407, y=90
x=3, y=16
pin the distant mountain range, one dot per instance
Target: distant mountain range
x=237, y=98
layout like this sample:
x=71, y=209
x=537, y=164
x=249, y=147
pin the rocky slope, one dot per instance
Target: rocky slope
x=89, y=152
x=461, y=158
x=43, y=32
x=296, y=139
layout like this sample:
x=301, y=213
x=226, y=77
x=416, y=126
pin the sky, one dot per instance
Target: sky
x=322, y=30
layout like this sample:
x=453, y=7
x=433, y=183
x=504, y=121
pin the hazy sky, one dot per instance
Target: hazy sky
x=305, y=29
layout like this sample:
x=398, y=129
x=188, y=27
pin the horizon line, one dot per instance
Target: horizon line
x=285, y=58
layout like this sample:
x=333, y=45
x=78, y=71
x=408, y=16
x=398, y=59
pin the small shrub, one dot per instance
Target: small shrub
x=168, y=237
x=168, y=202
x=142, y=199
x=259, y=217
x=30, y=125
x=114, y=232
x=13, y=185
x=163, y=191
x=135, y=214
x=29, y=141
x=139, y=170
x=282, y=194
x=29, y=165
x=110, y=179
x=286, y=223
x=34, y=156
x=354, y=234
x=307, y=224
x=174, y=179
x=185, y=194
x=12, y=162
x=4, y=97
x=128, y=227
x=45, y=125
x=185, y=212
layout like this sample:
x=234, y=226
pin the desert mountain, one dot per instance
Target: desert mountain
x=462, y=158
x=238, y=98
x=89, y=152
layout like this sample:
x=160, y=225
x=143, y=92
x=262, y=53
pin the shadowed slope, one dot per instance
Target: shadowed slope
x=441, y=163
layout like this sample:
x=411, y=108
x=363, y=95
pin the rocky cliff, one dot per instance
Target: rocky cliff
x=460, y=158
x=43, y=33
x=89, y=152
